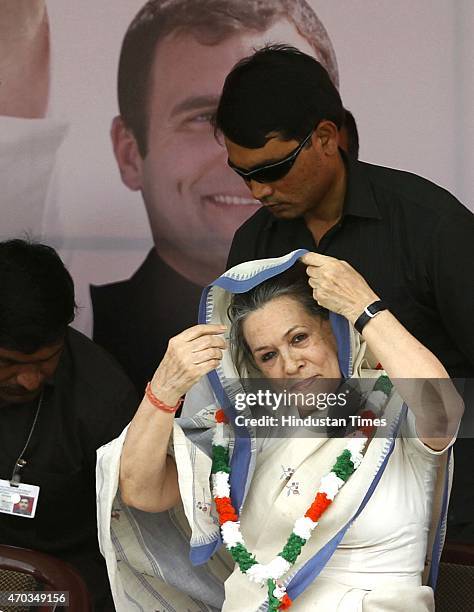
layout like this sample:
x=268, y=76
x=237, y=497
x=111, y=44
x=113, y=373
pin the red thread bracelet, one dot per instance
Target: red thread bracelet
x=158, y=403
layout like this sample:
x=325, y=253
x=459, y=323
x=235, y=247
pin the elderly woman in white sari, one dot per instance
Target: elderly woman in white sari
x=202, y=512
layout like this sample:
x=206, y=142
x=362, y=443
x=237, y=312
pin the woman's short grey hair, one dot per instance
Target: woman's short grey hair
x=291, y=283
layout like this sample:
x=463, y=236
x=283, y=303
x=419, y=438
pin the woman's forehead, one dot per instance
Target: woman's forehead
x=277, y=316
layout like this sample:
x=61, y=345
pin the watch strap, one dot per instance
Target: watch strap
x=368, y=313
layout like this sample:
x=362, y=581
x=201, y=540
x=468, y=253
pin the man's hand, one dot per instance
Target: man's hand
x=190, y=355
x=24, y=58
x=337, y=286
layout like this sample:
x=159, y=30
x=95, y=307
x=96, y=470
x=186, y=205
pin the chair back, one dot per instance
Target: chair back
x=454, y=589
x=23, y=570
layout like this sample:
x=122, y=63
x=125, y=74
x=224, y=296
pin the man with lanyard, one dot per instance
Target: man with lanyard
x=61, y=397
x=412, y=241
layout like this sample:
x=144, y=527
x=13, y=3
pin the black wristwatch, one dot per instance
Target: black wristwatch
x=370, y=311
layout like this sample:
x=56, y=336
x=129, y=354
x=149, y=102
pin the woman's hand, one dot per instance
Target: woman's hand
x=417, y=374
x=148, y=476
x=337, y=286
x=190, y=355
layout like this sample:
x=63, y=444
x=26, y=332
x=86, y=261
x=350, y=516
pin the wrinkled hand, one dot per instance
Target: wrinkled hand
x=190, y=355
x=337, y=286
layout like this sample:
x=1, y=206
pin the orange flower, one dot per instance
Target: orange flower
x=285, y=602
x=225, y=510
x=319, y=505
x=367, y=430
x=220, y=416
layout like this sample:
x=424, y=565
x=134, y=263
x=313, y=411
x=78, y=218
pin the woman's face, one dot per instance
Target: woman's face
x=287, y=342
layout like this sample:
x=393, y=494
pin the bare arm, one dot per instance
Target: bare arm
x=148, y=475
x=420, y=378
x=418, y=375
x=24, y=58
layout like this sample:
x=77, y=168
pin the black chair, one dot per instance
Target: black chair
x=455, y=586
x=22, y=569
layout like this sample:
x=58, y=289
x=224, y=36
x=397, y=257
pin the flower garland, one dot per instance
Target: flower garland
x=346, y=464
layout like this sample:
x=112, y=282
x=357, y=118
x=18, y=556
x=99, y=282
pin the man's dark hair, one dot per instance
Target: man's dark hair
x=36, y=296
x=349, y=125
x=210, y=22
x=276, y=91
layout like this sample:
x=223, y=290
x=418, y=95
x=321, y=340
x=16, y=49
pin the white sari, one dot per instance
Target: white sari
x=174, y=560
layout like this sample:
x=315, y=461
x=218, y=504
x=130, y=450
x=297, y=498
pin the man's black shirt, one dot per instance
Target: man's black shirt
x=87, y=404
x=411, y=240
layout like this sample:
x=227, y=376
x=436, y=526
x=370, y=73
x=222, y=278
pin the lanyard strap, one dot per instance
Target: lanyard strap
x=20, y=462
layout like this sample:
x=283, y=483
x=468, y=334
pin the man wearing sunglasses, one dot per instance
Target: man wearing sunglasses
x=274, y=171
x=413, y=242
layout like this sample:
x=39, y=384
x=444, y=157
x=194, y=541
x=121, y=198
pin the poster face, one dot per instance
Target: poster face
x=147, y=221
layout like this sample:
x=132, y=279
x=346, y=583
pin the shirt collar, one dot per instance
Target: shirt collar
x=359, y=200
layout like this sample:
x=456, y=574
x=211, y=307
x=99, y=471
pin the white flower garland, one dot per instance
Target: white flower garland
x=330, y=485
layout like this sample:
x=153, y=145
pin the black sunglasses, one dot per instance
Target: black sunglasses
x=271, y=172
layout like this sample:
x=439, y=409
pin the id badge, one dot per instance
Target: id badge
x=20, y=500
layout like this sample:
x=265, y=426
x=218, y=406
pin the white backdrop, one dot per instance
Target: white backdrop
x=407, y=73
